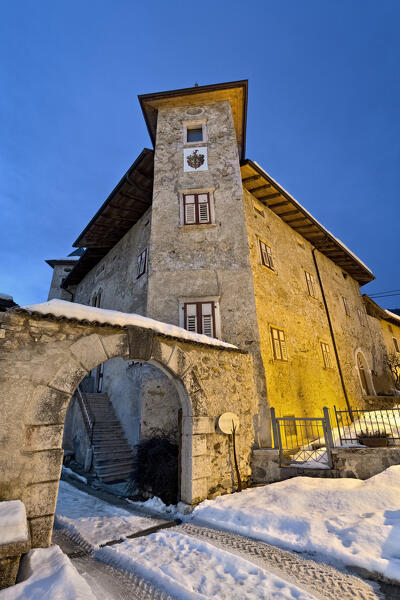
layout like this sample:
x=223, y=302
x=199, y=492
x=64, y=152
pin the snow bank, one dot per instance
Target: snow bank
x=74, y=475
x=93, y=520
x=349, y=521
x=48, y=573
x=13, y=525
x=72, y=310
x=190, y=569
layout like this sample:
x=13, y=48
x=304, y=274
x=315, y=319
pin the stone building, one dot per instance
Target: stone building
x=197, y=235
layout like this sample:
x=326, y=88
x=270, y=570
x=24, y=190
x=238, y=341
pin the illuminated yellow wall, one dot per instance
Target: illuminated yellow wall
x=302, y=385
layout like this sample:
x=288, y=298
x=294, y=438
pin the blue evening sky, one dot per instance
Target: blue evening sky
x=323, y=113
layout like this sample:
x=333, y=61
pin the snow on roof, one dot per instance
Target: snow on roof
x=80, y=312
x=13, y=525
x=6, y=297
x=393, y=315
x=314, y=219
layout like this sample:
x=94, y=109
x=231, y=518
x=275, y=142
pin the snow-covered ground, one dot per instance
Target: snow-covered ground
x=346, y=521
x=93, y=520
x=190, y=569
x=48, y=574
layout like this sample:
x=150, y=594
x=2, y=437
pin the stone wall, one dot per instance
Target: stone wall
x=363, y=463
x=202, y=261
x=60, y=272
x=302, y=385
x=43, y=360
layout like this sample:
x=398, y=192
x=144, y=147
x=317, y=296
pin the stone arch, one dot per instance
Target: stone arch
x=43, y=360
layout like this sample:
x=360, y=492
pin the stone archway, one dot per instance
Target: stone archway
x=43, y=359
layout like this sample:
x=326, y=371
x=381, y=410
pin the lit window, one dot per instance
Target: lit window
x=199, y=317
x=311, y=285
x=196, y=209
x=326, y=355
x=194, y=134
x=266, y=255
x=279, y=344
x=141, y=264
x=346, y=306
x=396, y=345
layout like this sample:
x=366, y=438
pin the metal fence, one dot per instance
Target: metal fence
x=358, y=423
x=303, y=441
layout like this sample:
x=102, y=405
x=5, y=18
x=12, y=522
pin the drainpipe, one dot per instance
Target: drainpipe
x=332, y=334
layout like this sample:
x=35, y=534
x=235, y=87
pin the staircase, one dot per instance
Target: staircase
x=112, y=455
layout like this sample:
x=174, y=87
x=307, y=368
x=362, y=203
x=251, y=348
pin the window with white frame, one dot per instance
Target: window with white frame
x=326, y=355
x=311, y=284
x=141, y=263
x=266, y=255
x=195, y=132
x=279, y=344
x=196, y=208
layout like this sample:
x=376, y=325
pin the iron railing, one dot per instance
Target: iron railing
x=303, y=441
x=361, y=422
x=88, y=417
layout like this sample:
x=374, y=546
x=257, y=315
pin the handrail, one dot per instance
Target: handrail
x=88, y=418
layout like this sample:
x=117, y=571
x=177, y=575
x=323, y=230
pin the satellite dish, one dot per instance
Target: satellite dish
x=227, y=422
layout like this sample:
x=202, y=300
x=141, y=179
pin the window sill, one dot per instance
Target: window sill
x=197, y=226
x=269, y=269
x=195, y=144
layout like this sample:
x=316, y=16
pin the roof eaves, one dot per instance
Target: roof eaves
x=307, y=214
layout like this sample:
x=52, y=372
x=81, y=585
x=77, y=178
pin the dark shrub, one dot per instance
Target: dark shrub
x=155, y=468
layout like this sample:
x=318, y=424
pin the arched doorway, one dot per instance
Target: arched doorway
x=127, y=437
x=47, y=350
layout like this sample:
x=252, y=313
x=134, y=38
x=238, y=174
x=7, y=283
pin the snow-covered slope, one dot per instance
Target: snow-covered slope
x=349, y=521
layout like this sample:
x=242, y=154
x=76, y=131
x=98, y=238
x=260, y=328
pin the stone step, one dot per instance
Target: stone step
x=107, y=457
x=124, y=475
x=110, y=444
x=112, y=467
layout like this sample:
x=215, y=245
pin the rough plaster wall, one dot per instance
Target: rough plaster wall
x=75, y=436
x=117, y=280
x=302, y=385
x=55, y=291
x=210, y=260
x=160, y=403
x=121, y=291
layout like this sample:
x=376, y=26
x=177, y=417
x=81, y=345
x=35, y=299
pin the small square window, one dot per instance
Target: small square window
x=200, y=317
x=194, y=134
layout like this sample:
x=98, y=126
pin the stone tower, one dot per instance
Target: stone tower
x=199, y=263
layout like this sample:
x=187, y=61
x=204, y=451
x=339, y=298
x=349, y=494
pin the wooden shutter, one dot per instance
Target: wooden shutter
x=266, y=255
x=207, y=321
x=283, y=344
x=396, y=344
x=276, y=344
x=191, y=317
x=189, y=207
x=203, y=207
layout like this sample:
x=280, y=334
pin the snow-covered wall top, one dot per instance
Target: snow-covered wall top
x=81, y=312
x=13, y=525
